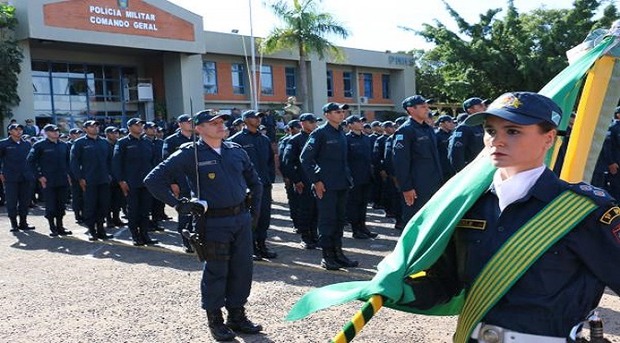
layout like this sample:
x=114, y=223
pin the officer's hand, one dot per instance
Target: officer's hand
x=193, y=206
x=176, y=190
x=43, y=181
x=613, y=168
x=124, y=187
x=2, y=178
x=319, y=189
x=83, y=184
x=299, y=187
x=410, y=197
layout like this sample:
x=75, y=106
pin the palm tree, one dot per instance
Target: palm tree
x=304, y=29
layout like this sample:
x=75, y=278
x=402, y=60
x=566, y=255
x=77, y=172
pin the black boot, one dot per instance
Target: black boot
x=239, y=322
x=136, y=237
x=329, y=259
x=61, y=229
x=53, y=227
x=367, y=232
x=306, y=239
x=264, y=251
x=256, y=255
x=146, y=238
x=92, y=233
x=219, y=331
x=23, y=225
x=14, y=226
x=101, y=234
x=343, y=260
x=359, y=234
x=78, y=217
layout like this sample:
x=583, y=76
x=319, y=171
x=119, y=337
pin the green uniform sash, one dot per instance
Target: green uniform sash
x=517, y=254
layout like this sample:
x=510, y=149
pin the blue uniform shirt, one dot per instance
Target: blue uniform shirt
x=172, y=143
x=324, y=158
x=360, y=158
x=224, y=179
x=290, y=159
x=259, y=149
x=443, y=140
x=378, y=153
x=13, y=160
x=465, y=144
x=89, y=160
x=51, y=160
x=133, y=159
x=281, y=146
x=416, y=160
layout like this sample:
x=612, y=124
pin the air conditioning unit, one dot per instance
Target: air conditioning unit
x=363, y=99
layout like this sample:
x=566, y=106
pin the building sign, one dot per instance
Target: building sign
x=131, y=17
x=401, y=60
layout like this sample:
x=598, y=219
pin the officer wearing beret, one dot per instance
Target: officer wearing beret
x=359, y=153
x=566, y=281
x=134, y=157
x=117, y=199
x=445, y=126
x=416, y=159
x=90, y=165
x=17, y=178
x=225, y=172
x=292, y=128
x=77, y=196
x=180, y=187
x=49, y=160
x=325, y=162
x=466, y=141
x=258, y=147
x=306, y=210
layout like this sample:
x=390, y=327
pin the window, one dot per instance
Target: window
x=330, y=83
x=348, y=85
x=238, y=78
x=385, y=86
x=367, y=85
x=291, y=81
x=209, y=77
x=266, y=80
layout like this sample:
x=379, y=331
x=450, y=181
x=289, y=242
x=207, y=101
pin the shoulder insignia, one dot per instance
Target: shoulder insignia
x=475, y=224
x=598, y=195
x=399, y=137
x=186, y=145
x=457, y=134
x=610, y=215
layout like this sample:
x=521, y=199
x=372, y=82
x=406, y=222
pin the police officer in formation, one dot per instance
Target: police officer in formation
x=359, y=154
x=77, y=195
x=117, y=198
x=49, y=161
x=90, y=165
x=466, y=141
x=258, y=147
x=293, y=127
x=225, y=172
x=325, y=162
x=378, y=153
x=305, y=206
x=392, y=194
x=445, y=128
x=16, y=176
x=157, y=207
x=134, y=157
x=180, y=187
x=416, y=159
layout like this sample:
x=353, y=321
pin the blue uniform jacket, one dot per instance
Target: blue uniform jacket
x=466, y=143
x=378, y=153
x=388, y=156
x=133, y=159
x=89, y=160
x=172, y=144
x=224, y=179
x=13, y=160
x=290, y=159
x=324, y=158
x=561, y=287
x=51, y=160
x=360, y=158
x=259, y=149
x=416, y=160
x=443, y=140
x=281, y=146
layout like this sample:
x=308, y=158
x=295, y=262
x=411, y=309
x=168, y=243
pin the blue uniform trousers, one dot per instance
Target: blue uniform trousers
x=138, y=209
x=357, y=203
x=227, y=275
x=117, y=199
x=55, y=199
x=307, y=212
x=332, y=218
x=77, y=198
x=293, y=203
x=409, y=211
x=18, y=197
x=96, y=203
x=264, y=219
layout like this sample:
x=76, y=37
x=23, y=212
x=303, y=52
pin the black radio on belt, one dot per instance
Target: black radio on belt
x=596, y=331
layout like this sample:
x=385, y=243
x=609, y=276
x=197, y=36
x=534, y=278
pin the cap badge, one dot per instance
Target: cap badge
x=508, y=100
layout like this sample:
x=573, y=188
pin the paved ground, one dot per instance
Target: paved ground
x=73, y=290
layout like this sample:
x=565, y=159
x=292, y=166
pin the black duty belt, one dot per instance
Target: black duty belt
x=226, y=211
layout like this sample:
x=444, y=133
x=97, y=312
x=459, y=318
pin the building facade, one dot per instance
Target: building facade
x=98, y=59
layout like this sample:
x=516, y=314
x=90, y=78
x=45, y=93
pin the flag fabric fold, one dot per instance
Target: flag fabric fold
x=428, y=232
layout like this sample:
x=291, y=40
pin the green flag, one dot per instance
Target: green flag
x=428, y=232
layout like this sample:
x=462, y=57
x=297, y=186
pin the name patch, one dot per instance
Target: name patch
x=474, y=224
x=207, y=163
x=610, y=215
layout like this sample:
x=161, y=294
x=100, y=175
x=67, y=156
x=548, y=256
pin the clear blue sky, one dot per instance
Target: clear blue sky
x=373, y=23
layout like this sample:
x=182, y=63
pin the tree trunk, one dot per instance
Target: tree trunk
x=303, y=75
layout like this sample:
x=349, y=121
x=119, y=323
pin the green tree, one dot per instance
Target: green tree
x=516, y=52
x=304, y=29
x=10, y=59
